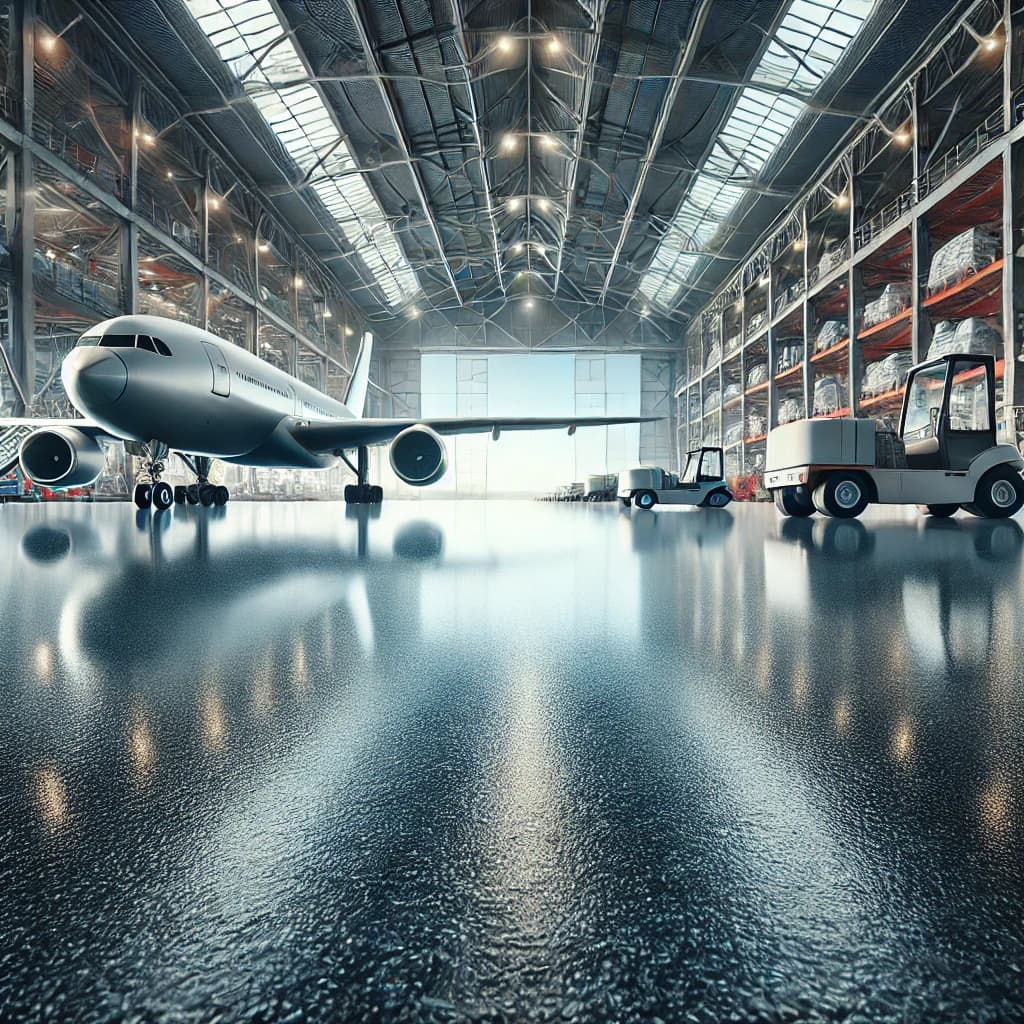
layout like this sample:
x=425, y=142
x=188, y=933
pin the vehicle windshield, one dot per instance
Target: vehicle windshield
x=689, y=473
x=924, y=400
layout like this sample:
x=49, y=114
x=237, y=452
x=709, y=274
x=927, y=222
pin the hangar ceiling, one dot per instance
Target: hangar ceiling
x=449, y=158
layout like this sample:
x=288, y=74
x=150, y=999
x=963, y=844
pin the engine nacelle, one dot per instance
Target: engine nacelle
x=418, y=456
x=61, y=457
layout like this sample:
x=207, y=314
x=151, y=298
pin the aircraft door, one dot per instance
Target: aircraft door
x=219, y=365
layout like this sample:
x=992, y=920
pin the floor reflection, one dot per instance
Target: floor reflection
x=470, y=760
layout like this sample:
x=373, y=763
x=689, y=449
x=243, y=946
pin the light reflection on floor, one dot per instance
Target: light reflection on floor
x=458, y=761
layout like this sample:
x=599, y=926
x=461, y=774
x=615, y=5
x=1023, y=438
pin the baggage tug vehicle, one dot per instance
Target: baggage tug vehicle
x=944, y=456
x=701, y=483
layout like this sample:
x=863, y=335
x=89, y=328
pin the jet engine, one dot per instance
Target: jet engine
x=418, y=456
x=61, y=457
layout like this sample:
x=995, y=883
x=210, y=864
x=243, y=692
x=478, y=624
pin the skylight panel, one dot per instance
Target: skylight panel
x=807, y=46
x=251, y=40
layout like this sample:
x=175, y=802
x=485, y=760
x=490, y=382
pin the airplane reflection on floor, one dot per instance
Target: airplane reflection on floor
x=494, y=756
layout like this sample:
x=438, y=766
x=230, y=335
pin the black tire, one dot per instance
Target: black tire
x=180, y=494
x=162, y=496
x=206, y=493
x=376, y=494
x=192, y=494
x=626, y=502
x=221, y=495
x=939, y=511
x=143, y=495
x=351, y=494
x=718, y=498
x=842, y=495
x=794, y=501
x=1000, y=494
x=645, y=500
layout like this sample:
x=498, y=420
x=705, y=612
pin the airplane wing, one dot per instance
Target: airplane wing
x=339, y=435
x=14, y=431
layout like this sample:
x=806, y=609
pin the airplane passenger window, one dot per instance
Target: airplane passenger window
x=146, y=342
x=117, y=341
x=161, y=347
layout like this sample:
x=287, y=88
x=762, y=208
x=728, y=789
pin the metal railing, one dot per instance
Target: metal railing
x=931, y=178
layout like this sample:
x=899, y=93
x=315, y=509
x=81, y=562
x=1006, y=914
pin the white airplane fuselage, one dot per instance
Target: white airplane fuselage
x=207, y=397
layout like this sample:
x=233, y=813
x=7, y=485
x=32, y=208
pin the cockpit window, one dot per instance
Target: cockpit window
x=160, y=347
x=117, y=341
x=89, y=339
x=146, y=342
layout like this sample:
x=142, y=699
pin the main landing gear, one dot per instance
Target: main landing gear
x=363, y=492
x=159, y=494
x=202, y=492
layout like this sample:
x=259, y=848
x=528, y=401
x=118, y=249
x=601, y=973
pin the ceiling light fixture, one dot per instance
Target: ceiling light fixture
x=540, y=250
x=543, y=205
x=46, y=41
x=298, y=282
x=554, y=45
x=515, y=204
x=508, y=142
x=517, y=248
x=263, y=247
x=505, y=44
x=349, y=332
x=528, y=303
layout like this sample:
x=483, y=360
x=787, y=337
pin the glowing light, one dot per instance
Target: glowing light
x=548, y=141
x=799, y=245
x=299, y=283
x=238, y=238
x=902, y=137
x=990, y=43
x=645, y=311
x=508, y=142
x=505, y=44
x=148, y=139
x=528, y=303
x=50, y=254
x=46, y=41
x=517, y=248
x=515, y=204
x=764, y=281
x=170, y=174
x=540, y=250
x=543, y=205
x=414, y=313
x=263, y=247
x=349, y=332
x=554, y=45
x=841, y=201
x=327, y=313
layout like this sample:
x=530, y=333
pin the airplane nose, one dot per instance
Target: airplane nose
x=94, y=376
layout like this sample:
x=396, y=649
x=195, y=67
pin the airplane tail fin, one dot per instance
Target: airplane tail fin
x=355, y=397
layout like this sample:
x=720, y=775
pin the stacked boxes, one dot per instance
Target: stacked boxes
x=974, y=336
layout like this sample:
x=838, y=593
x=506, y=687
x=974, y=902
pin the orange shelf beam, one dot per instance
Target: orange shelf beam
x=779, y=377
x=754, y=440
x=978, y=294
x=883, y=399
x=831, y=352
x=756, y=388
x=886, y=326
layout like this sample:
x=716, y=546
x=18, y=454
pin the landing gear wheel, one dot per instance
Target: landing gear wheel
x=143, y=495
x=939, y=511
x=645, y=500
x=220, y=495
x=351, y=494
x=718, y=499
x=206, y=492
x=626, y=503
x=1000, y=494
x=841, y=495
x=192, y=494
x=180, y=494
x=162, y=496
x=376, y=494
x=794, y=501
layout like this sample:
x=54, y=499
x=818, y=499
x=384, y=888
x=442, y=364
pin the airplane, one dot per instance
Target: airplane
x=162, y=386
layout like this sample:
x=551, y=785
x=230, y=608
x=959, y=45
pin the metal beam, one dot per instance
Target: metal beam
x=355, y=9
x=577, y=153
x=683, y=64
x=460, y=34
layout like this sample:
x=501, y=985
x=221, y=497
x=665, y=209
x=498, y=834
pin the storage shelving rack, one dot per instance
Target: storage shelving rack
x=842, y=280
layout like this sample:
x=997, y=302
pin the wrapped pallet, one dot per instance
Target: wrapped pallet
x=757, y=375
x=714, y=355
x=733, y=433
x=791, y=409
x=712, y=401
x=830, y=333
x=829, y=395
x=757, y=425
x=966, y=254
x=790, y=353
x=732, y=391
x=886, y=374
x=894, y=299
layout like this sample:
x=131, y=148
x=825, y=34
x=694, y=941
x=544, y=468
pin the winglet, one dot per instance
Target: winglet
x=355, y=397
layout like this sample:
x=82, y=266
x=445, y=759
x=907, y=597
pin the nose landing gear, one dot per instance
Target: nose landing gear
x=152, y=492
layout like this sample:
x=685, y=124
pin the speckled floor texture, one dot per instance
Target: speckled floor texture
x=509, y=761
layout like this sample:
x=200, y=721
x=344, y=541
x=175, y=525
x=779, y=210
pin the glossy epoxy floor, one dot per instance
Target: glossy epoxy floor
x=509, y=761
